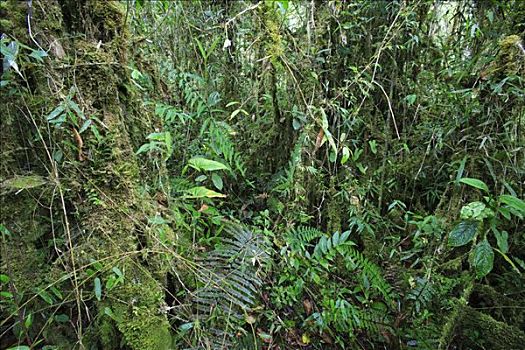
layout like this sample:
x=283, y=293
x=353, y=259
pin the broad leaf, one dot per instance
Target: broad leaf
x=482, y=258
x=463, y=233
x=472, y=210
x=475, y=183
x=202, y=192
x=200, y=163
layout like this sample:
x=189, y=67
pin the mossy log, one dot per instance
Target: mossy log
x=477, y=330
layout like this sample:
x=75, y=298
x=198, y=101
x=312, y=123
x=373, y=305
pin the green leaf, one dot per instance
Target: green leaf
x=98, y=289
x=327, y=134
x=85, y=125
x=61, y=318
x=475, y=183
x=472, y=210
x=502, y=239
x=186, y=326
x=111, y=314
x=117, y=272
x=513, y=202
x=4, y=278
x=373, y=146
x=38, y=55
x=461, y=169
x=201, y=178
x=6, y=295
x=201, y=163
x=217, y=181
x=202, y=192
x=463, y=233
x=56, y=112
x=28, y=321
x=45, y=296
x=144, y=148
x=72, y=104
x=20, y=347
x=482, y=258
x=346, y=155
x=507, y=259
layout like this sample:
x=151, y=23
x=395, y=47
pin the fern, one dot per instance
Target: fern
x=356, y=260
x=222, y=145
x=421, y=294
x=314, y=254
x=345, y=316
x=338, y=244
x=299, y=239
x=231, y=278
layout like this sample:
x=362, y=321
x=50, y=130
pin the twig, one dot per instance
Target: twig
x=253, y=7
x=389, y=107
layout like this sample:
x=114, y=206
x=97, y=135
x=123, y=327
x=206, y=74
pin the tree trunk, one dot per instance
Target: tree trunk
x=74, y=219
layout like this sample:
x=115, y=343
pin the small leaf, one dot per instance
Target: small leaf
x=6, y=295
x=502, y=239
x=234, y=113
x=4, y=278
x=85, y=125
x=73, y=105
x=117, y=272
x=45, y=296
x=296, y=124
x=61, y=318
x=513, y=202
x=483, y=258
x=98, y=289
x=144, y=148
x=186, y=326
x=475, y=183
x=346, y=155
x=201, y=178
x=373, y=146
x=506, y=257
x=38, y=55
x=28, y=322
x=217, y=181
x=56, y=112
x=463, y=233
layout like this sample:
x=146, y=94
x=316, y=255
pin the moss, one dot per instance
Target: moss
x=480, y=331
x=141, y=321
x=509, y=60
x=13, y=23
x=333, y=210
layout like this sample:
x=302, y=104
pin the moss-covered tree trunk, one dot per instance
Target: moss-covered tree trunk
x=73, y=217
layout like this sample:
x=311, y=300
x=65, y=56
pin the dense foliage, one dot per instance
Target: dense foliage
x=262, y=174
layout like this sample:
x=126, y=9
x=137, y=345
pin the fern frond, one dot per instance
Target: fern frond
x=300, y=238
x=356, y=260
x=230, y=276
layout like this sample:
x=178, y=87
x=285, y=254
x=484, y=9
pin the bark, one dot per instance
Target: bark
x=86, y=215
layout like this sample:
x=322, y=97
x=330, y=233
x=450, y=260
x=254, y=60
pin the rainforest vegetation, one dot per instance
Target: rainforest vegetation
x=262, y=174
